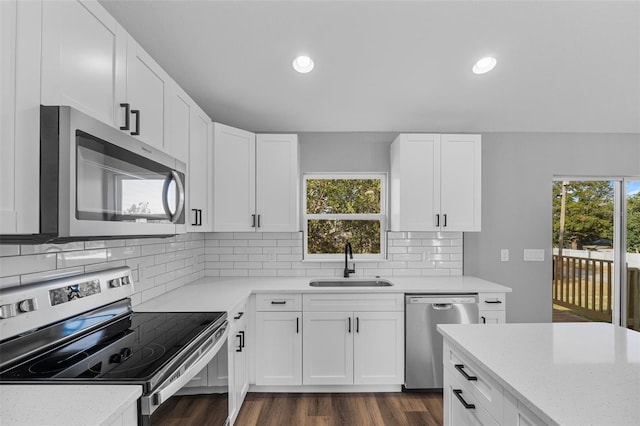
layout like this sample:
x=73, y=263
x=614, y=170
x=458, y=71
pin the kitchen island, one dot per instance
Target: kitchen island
x=556, y=374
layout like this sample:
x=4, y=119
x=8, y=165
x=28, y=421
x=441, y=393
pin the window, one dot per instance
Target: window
x=344, y=208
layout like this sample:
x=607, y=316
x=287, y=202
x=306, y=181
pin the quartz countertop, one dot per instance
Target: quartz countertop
x=223, y=294
x=566, y=373
x=65, y=405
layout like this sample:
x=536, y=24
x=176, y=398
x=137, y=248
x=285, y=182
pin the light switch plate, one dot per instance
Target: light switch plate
x=534, y=255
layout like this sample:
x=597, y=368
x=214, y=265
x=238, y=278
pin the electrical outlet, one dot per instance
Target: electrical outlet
x=533, y=255
x=504, y=255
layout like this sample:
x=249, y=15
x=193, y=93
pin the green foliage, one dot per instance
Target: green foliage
x=343, y=196
x=633, y=223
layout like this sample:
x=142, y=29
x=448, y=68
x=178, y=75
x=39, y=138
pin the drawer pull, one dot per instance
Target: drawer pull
x=278, y=302
x=460, y=368
x=458, y=394
x=493, y=301
x=237, y=317
x=484, y=320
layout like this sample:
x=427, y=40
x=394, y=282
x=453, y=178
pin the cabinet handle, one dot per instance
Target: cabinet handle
x=196, y=217
x=493, y=301
x=239, y=349
x=127, y=121
x=253, y=220
x=357, y=324
x=237, y=317
x=241, y=339
x=458, y=394
x=445, y=220
x=297, y=325
x=437, y=220
x=349, y=324
x=136, y=112
x=258, y=221
x=199, y=217
x=460, y=368
x=484, y=320
x=278, y=302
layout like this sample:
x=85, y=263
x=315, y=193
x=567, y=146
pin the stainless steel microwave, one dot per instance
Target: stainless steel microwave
x=97, y=182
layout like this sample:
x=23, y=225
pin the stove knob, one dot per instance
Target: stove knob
x=28, y=305
x=126, y=280
x=125, y=353
x=115, y=283
x=8, y=311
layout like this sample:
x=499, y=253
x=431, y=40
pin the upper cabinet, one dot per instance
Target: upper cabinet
x=436, y=182
x=91, y=63
x=84, y=59
x=20, y=38
x=200, y=171
x=255, y=181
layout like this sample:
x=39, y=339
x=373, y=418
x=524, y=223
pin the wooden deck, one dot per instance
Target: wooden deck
x=561, y=315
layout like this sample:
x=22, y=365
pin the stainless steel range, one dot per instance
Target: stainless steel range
x=82, y=329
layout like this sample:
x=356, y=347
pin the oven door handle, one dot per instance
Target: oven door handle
x=190, y=368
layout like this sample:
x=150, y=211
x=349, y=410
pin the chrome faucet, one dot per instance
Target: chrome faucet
x=349, y=251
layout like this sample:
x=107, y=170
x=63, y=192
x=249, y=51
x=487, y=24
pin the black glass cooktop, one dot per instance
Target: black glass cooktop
x=133, y=348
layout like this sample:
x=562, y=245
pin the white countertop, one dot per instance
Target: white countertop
x=567, y=373
x=223, y=294
x=65, y=405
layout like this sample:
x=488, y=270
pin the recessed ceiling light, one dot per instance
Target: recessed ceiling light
x=484, y=65
x=303, y=64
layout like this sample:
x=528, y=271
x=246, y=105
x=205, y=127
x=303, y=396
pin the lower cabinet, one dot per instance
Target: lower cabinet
x=491, y=308
x=279, y=348
x=353, y=347
x=237, y=358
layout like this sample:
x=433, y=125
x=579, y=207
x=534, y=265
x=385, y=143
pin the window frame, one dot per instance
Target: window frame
x=382, y=217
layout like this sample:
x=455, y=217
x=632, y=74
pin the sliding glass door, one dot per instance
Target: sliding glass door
x=630, y=305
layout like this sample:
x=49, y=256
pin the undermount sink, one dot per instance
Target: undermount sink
x=350, y=283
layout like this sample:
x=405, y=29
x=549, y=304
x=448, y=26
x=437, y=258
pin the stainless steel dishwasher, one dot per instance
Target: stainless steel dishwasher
x=423, y=343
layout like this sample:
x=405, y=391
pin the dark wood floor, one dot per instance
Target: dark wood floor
x=312, y=409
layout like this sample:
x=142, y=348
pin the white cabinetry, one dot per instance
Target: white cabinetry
x=353, y=339
x=435, y=182
x=20, y=38
x=491, y=308
x=472, y=396
x=255, y=181
x=238, y=377
x=84, y=59
x=89, y=62
x=279, y=339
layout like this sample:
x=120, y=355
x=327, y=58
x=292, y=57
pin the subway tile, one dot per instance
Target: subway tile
x=219, y=250
x=405, y=243
x=9, y=250
x=234, y=243
x=448, y=265
x=136, y=299
x=289, y=243
x=406, y=273
x=435, y=243
x=455, y=272
x=222, y=235
x=291, y=273
x=397, y=235
x=276, y=265
x=395, y=250
x=153, y=292
x=406, y=257
x=288, y=257
x=51, y=248
x=277, y=236
x=394, y=265
x=175, y=246
x=435, y=272
x=263, y=243
x=118, y=253
x=448, y=249
x=212, y=272
x=234, y=258
x=258, y=258
x=440, y=257
x=136, y=262
x=247, y=250
x=233, y=273
x=103, y=244
x=172, y=266
x=247, y=265
x=319, y=273
x=212, y=243
x=263, y=273
x=146, y=241
x=278, y=250
x=152, y=249
x=212, y=258
x=333, y=265
x=219, y=265
x=69, y=259
x=164, y=257
x=165, y=278
x=152, y=271
x=102, y=266
x=6, y=282
x=414, y=250
x=247, y=235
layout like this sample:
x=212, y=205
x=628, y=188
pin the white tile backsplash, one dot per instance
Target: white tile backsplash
x=158, y=265
x=279, y=254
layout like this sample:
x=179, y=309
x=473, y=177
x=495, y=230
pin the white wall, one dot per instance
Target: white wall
x=517, y=174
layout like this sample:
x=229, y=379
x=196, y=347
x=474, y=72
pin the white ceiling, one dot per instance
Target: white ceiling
x=563, y=66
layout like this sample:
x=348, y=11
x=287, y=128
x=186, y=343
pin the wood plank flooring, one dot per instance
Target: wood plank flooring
x=311, y=409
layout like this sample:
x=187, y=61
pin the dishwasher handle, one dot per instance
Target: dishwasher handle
x=441, y=306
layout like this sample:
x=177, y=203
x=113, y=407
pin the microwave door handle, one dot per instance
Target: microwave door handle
x=165, y=196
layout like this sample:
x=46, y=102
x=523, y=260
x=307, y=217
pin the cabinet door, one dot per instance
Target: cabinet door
x=147, y=92
x=460, y=182
x=20, y=35
x=233, y=179
x=277, y=183
x=180, y=105
x=327, y=348
x=240, y=376
x=83, y=59
x=200, y=380
x=492, y=317
x=378, y=355
x=200, y=171
x=279, y=348
x=415, y=182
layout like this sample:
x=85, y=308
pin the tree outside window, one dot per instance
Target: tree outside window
x=341, y=209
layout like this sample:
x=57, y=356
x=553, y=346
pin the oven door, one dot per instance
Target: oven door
x=187, y=370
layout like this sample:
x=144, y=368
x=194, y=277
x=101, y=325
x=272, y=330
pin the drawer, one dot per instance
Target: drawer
x=237, y=317
x=278, y=302
x=479, y=383
x=492, y=317
x=338, y=302
x=491, y=301
x=461, y=406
